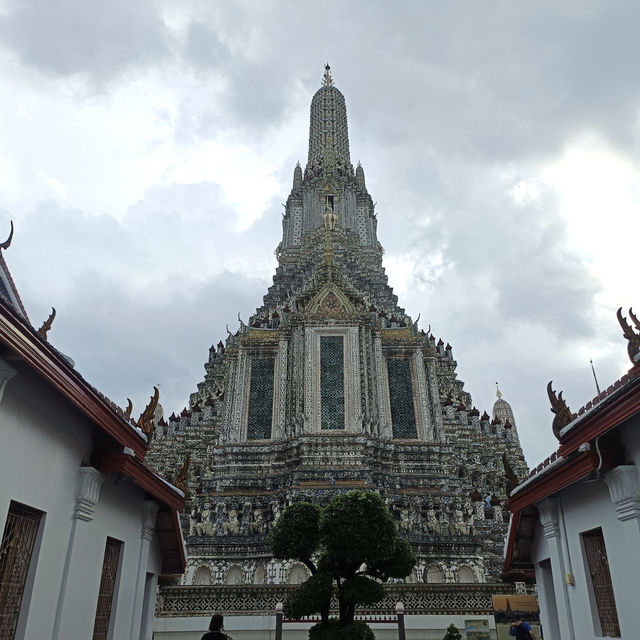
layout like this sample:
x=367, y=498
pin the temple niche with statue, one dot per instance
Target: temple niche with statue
x=330, y=386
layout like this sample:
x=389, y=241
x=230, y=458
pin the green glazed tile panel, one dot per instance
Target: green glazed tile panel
x=260, y=399
x=403, y=418
x=332, y=382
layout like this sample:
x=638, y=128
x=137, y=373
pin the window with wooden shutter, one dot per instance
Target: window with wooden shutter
x=596, y=553
x=107, y=589
x=16, y=551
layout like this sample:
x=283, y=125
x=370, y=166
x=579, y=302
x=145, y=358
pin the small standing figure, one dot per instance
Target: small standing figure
x=258, y=525
x=232, y=526
x=216, y=627
x=193, y=520
x=329, y=217
x=204, y=528
x=521, y=629
x=432, y=525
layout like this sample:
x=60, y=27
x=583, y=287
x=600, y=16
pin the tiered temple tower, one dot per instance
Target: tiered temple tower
x=331, y=386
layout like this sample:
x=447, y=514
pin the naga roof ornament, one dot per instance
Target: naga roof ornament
x=145, y=421
x=7, y=243
x=563, y=415
x=633, y=338
x=46, y=325
x=181, y=475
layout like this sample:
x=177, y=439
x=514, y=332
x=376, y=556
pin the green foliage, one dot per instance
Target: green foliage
x=333, y=631
x=362, y=590
x=354, y=541
x=357, y=527
x=295, y=532
x=452, y=633
x=310, y=597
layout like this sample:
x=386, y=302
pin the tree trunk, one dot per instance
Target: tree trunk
x=324, y=615
x=347, y=609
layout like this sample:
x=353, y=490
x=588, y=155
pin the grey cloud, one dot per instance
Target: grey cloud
x=204, y=48
x=64, y=37
x=124, y=344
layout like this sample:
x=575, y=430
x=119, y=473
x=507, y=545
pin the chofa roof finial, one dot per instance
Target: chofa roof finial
x=560, y=409
x=633, y=338
x=7, y=243
x=145, y=421
x=327, y=80
x=46, y=325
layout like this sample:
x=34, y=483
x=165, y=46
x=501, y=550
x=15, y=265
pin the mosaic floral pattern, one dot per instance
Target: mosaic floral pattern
x=332, y=381
x=260, y=399
x=403, y=417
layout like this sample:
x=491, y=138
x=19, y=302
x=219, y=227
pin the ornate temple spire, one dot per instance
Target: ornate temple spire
x=297, y=176
x=328, y=133
x=360, y=177
x=502, y=410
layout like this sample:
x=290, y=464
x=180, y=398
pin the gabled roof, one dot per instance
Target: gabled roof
x=576, y=458
x=122, y=446
x=8, y=290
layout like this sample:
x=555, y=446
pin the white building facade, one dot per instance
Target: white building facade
x=88, y=530
x=576, y=520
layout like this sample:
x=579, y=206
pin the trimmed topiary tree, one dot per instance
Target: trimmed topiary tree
x=350, y=546
x=452, y=633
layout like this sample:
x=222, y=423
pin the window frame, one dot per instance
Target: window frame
x=16, y=621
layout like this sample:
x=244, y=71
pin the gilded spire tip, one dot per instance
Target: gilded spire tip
x=327, y=80
x=498, y=392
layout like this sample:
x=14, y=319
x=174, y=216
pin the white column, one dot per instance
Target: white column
x=149, y=511
x=87, y=494
x=421, y=395
x=382, y=383
x=550, y=521
x=280, y=390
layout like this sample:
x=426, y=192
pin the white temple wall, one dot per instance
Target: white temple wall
x=45, y=442
x=579, y=509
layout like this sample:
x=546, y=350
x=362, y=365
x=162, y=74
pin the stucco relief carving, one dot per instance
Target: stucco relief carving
x=87, y=493
x=624, y=489
x=548, y=513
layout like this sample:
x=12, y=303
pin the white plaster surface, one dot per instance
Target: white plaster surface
x=44, y=443
x=582, y=507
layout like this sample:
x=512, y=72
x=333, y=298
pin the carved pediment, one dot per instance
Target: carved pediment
x=331, y=302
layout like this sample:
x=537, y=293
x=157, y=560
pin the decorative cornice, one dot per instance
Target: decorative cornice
x=6, y=373
x=548, y=513
x=87, y=493
x=624, y=489
x=144, y=477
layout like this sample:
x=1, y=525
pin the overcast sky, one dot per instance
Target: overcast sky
x=146, y=148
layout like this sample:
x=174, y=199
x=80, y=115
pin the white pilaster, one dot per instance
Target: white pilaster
x=147, y=529
x=548, y=511
x=87, y=493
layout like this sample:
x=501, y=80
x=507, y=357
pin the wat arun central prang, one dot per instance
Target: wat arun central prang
x=330, y=386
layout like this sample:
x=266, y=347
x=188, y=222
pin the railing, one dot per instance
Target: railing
x=447, y=599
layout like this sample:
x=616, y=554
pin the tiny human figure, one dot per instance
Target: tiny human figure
x=521, y=630
x=216, y=627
